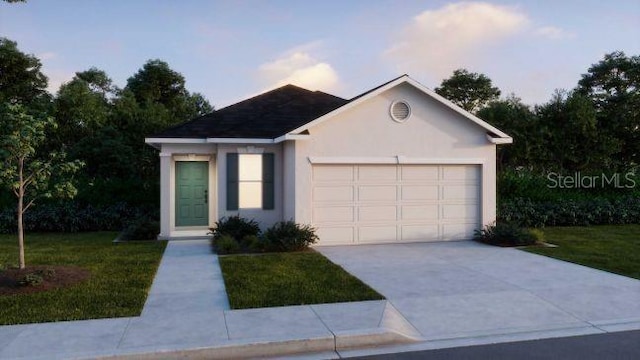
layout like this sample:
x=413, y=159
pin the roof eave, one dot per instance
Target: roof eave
x=239, y=141
x=500, y=140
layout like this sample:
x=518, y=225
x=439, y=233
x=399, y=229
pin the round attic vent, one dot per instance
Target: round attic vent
x=400, y=111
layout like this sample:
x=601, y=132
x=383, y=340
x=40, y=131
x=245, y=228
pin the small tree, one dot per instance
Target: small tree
x=23, y=172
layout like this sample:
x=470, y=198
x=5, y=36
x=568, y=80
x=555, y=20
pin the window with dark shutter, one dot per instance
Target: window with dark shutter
x=250, y=181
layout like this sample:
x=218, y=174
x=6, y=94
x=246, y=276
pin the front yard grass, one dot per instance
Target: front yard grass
x=613, y=248
x=282, y=279
x=120, y=277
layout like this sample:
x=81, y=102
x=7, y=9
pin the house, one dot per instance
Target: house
x=398, y=163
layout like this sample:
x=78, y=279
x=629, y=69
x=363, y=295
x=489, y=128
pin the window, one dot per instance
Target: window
x=250, y=181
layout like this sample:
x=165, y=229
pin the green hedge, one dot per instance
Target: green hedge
x=75, y=217
x=525, y=184
x=571, y=212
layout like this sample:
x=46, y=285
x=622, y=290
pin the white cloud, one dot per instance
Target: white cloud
x=554, y=33
x=299, y=68
x=441, y=40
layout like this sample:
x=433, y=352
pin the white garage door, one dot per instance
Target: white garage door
x=395, y=203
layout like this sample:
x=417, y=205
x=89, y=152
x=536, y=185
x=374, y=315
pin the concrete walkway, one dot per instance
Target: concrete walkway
x=439, y=295
x=187, y=313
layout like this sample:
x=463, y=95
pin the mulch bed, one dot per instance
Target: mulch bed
x=56, y=277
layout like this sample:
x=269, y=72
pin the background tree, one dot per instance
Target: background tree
x=28, y=177
x=571, y=135
x=613, y=85
x=156, y=83
x=81, y=107
x=517, y=120
x=21, y=80
x=470, y=91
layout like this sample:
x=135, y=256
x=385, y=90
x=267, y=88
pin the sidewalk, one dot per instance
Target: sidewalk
x=187, y=313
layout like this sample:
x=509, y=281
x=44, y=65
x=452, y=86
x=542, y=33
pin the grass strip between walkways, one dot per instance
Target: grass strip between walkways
x=284, y=279
x=613, y=248
x=119, y=280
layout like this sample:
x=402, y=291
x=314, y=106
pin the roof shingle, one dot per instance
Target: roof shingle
x=266, y=116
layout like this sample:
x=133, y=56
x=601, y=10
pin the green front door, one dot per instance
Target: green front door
x=192, y=184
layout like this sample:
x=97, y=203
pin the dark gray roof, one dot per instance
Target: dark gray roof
x=266, y=116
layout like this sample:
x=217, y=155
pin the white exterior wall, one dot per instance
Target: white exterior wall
x=265, y=218
x=434, y=134
x=289, y=179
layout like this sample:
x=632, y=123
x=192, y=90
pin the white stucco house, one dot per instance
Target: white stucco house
x=398, y=163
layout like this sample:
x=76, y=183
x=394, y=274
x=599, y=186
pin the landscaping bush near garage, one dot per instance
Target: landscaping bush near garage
x=283, y=279
x=74, y=217
x=117, y=286
x=235, y=234
x=508, y=234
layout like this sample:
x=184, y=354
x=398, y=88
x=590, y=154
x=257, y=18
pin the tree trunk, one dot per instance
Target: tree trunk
x=20, y=211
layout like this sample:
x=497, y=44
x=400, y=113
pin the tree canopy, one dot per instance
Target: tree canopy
x=613, y=86
x=470, y=91
x=22, y=80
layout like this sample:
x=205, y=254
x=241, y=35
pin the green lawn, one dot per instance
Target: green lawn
x=120, y=277
x=613, y=248
x=281, y=279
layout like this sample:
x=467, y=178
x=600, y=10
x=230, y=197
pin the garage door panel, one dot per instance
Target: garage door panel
x=460, y=211
x=459, y=172
x=335, y=235
x=377, y=213
x=340, y=193
x=333, y=173
x=391, y=203
x=419, y=172
x=420, y=232
x=333, y=214
x=420, y=212
x=377, y=234
x=460, y=192
x=420, y=192
x=377, y=172
x=377, y=193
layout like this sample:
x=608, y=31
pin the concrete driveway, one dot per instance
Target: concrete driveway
x=469, y=290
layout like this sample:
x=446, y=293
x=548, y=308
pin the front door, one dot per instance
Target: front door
x=192, y=185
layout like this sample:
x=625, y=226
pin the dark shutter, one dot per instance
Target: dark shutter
x=232, y=181
x=267, y=181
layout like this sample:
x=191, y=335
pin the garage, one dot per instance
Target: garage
x=382, y=203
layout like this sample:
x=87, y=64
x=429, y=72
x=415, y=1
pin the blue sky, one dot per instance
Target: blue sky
x=229, y=50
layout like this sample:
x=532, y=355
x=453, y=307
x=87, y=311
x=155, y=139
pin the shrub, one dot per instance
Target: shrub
x=236, y=227
x=504, y=234
x=143, y=229
x=571, y=212
x=226, y=244
x=289, y=236
x=31, y=280
x=252, y=243
x=71, y=216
